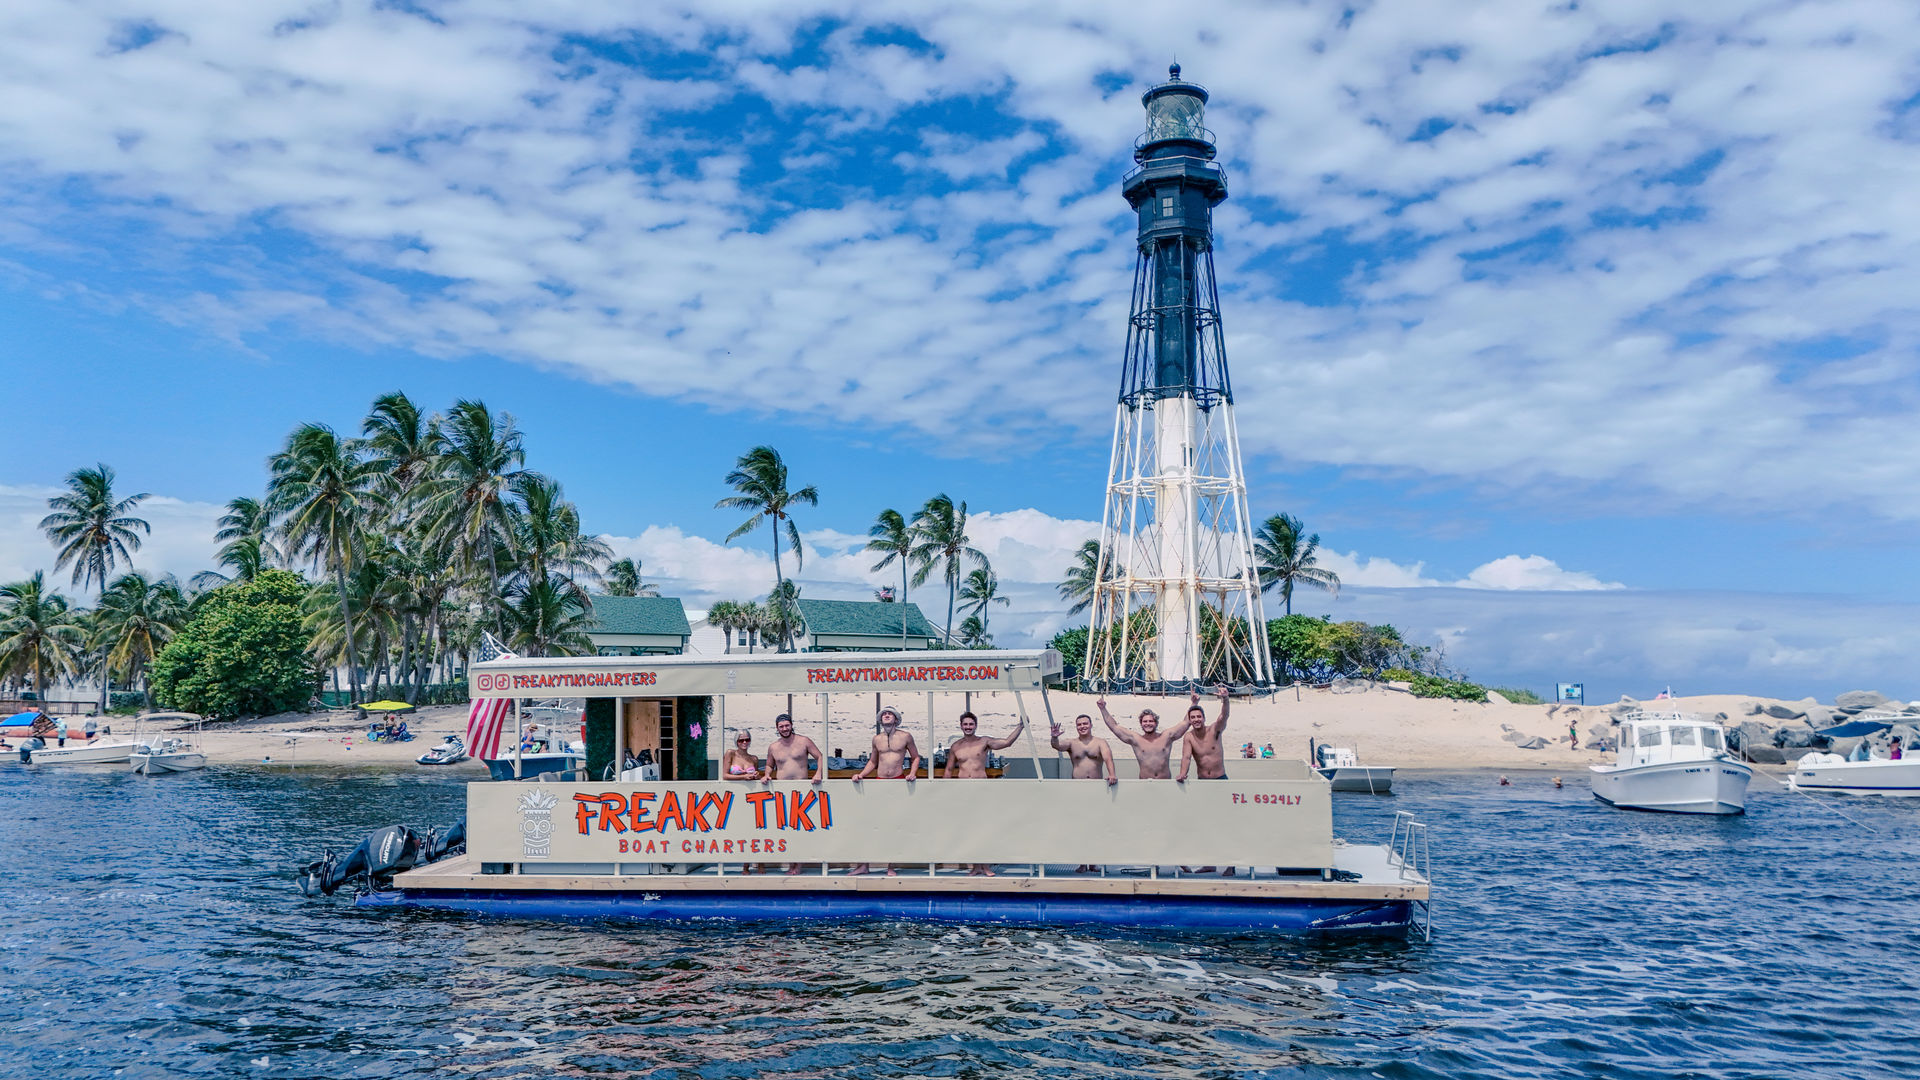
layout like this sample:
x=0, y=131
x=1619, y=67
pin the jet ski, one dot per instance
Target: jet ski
x=450, y=752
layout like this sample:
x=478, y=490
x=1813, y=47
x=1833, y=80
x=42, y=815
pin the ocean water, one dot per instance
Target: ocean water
x=152, y=929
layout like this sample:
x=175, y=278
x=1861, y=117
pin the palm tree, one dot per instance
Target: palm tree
x=546, y=618
x=546, y=536
x=323, y=490
x=724, y=616
x=481, y=455
x=761, y=479
x=973, y=633
x=1285, y=558
x=940, y=537
x=1083, y=577
x=249, y=519
x=92, y=529
x=780, y=615
x=893, y=541
x=403, y=440
x=135, y=619
x=39, y=634
x=623, y=578
x=981, y=589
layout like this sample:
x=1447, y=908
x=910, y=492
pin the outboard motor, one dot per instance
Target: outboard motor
x=384, y=853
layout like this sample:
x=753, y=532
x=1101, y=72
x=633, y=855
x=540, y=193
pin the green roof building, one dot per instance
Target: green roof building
x=850, y=625
x=639, y=626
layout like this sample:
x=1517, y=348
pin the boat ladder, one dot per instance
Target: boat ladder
x=1409, y=851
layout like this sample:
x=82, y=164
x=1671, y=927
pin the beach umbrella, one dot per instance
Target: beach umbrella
x=387, y=706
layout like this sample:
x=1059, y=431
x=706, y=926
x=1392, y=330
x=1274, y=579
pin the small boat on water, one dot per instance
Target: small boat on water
x=1673, y=762
x=1863, y=774
x=169, y=753
x=1342, y=768
x=101, y=751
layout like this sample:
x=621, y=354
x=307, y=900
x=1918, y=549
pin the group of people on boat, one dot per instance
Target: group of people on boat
x=896, y=756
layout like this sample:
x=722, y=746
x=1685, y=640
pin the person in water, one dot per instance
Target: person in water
x=967, y=760
x=1202, y=744
x=895, y=757
x=1152, y=748
x=739, y=762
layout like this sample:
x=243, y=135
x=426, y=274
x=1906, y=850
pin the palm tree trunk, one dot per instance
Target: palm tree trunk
x=779, y=579
x=903, y=602
x=346, y=619
x=953, y=586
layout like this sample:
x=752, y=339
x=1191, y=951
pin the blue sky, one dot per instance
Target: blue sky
x=1580, y=333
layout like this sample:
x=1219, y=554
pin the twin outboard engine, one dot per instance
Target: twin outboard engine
x=384, y=853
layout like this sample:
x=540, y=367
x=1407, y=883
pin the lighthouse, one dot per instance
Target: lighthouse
x=1177, y=599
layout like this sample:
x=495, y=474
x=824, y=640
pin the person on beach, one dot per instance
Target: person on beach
x=787, y=754
x=1152, y=747
x=895, y=757
x=1202, y=744
x=1573, y=734
x=1266, y=751
x=1247, y=751
x=967, y=760
x=739, y=762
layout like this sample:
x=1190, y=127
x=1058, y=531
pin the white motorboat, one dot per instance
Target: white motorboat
x=169, y=755
x=1863, y=774
x=1675, y=763
x=98, y=752
x=1342, y=768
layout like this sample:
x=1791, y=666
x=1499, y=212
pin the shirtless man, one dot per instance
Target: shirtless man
x=967, y=759
x=1202, y=744
x=787, y=756
x=1092, y=758
x=739, y=762
x=895, y=756
x=1152, y=747
x=1202, y=747
x=787, y=760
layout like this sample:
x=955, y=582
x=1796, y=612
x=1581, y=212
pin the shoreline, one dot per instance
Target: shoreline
x=1385, y=727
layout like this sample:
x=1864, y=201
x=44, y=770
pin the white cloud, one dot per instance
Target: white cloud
x=1532, y=572
x=181, y=542
x=1669, y=274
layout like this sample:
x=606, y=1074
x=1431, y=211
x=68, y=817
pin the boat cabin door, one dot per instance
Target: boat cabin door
x=648, y=724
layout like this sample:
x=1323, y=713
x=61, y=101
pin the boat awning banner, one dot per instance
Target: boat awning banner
x=1286, y=823
x=1854, y=728
x=779, y=673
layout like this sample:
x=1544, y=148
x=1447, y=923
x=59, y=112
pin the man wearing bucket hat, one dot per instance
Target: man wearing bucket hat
x=895, y=756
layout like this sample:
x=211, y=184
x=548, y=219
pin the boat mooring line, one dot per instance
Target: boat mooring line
x=1814, y=801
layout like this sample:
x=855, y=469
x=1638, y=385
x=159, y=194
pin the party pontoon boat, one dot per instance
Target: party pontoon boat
x=679, y=847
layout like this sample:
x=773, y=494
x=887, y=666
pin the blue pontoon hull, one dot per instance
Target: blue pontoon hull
x=1289, y=915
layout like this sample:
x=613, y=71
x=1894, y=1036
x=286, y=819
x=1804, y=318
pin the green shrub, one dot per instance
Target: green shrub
x=1434, y=686
x=1399, y=674
x=1519, y=696
x=242, y=652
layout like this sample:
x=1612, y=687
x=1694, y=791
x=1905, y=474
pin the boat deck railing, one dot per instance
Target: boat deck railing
x=1410, y=852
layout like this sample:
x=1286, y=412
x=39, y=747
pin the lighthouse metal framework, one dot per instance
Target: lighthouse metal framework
x=1177, y=594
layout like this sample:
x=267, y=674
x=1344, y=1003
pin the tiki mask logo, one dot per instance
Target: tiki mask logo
x=536, y=824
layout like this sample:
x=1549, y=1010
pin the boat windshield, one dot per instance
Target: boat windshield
x=1684, y=736
x=1710, y=738
x=1649, y=735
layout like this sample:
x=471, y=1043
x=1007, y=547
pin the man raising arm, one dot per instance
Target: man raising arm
x=1202, y=743
x=967, y=757
x=1152, y=747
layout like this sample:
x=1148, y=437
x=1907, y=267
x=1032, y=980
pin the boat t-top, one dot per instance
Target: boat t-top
x=1864, y=773
x=682, y=847
x=1674, y=762
x=178, y=751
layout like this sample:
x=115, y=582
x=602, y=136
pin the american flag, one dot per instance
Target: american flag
x=488, y=714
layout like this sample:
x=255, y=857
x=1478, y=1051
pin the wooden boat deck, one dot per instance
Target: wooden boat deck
x=1380, y=879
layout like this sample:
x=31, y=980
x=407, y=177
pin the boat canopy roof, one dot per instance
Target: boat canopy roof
x=1866, y=725
x=20, y=719
x=946, y=671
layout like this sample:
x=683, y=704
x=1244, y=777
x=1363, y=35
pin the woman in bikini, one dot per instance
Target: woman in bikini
x=740, y=764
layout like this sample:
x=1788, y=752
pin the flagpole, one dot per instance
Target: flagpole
x=517, y=740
